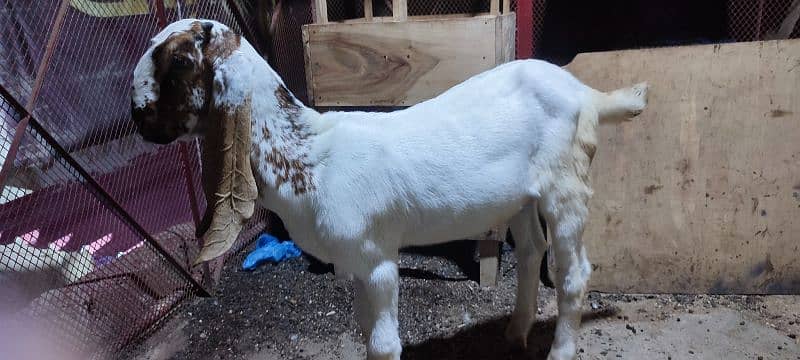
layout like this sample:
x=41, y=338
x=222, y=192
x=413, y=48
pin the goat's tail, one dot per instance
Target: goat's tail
x=620, y=104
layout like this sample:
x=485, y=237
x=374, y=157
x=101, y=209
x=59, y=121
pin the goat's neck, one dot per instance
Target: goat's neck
x=282, y=133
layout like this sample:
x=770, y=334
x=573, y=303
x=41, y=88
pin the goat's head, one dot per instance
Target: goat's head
x=177, y=87
x=172, y=81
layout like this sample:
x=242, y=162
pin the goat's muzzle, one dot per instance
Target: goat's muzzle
x=148, y=126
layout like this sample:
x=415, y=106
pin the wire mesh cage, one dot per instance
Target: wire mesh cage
x=763, y=19
x=96, y=227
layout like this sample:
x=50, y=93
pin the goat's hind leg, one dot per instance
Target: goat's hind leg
x=566, y=215
x=530, y=247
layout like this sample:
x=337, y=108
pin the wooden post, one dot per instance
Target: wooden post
x=368, y=9
x=506, y=6
x=400, y=10
x=321, y=11
x=489, y=252
x=494, y=7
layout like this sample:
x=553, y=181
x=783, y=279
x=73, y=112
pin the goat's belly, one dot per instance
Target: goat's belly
x=442, y=226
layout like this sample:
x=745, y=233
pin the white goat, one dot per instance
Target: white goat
x=354, y=187
x=27, y=272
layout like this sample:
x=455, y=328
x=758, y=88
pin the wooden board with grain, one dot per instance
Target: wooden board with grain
x=701, y=194
x=391, y=63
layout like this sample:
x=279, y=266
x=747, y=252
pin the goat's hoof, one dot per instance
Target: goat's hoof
x=564, y=353
x=383, y=357
x=552, y=356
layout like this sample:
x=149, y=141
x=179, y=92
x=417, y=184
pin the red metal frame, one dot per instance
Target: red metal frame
x=41, y=72
x=158, y=5
x=189, y=177
x=525, y=29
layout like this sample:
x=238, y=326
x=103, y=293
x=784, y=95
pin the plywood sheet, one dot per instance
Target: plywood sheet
x=401, y=63
x=702, y=192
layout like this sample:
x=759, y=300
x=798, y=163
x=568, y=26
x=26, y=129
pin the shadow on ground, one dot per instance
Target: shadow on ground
x=486, y=341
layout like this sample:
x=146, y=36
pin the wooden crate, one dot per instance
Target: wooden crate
x=401, y=60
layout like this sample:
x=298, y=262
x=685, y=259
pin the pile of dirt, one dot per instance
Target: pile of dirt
x=298, y=310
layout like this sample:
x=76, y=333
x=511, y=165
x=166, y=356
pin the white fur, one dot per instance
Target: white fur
x=68, y=267
x=500, y=147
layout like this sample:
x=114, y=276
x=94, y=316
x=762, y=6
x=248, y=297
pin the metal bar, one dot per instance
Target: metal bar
x=41, y=72
x=161, y=15
x=237, y=15
x=149, y=327
x=189, y=176
x=105, y=197
x=525, y=29
x=101, y=194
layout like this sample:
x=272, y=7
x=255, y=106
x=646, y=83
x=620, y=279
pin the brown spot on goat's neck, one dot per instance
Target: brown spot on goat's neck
x=287, y=135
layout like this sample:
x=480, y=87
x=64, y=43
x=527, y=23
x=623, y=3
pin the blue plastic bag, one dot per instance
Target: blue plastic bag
x=269, y=249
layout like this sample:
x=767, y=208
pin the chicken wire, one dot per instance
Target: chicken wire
x=763, y=19
x=96, y=227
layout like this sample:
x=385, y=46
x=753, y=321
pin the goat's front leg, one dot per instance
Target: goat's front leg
x=379, y=296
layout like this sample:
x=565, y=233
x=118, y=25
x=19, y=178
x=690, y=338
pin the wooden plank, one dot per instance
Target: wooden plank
x=320, y=11
x=701, y=194
x=494, y=7
x=309, y=73
x=400, y=10
x=489, y=256
x=506, y=6
x=397, y=63
x=421, y=17
x=489, y=262
x=368, y=9
x=505, y=39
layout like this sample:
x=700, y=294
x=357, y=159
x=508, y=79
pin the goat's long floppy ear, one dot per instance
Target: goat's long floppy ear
x=228, y=181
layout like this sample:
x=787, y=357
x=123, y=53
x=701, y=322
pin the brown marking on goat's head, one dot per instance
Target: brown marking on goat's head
x=223, y=47
x=174, y=94
x=172, y=86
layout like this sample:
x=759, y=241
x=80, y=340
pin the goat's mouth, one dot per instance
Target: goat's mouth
x=157, y=137
x=157, y=127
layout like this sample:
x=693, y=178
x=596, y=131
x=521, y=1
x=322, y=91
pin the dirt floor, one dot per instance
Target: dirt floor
x=298, y=310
